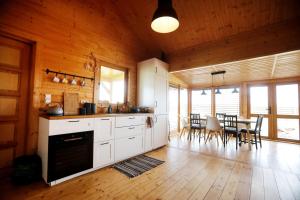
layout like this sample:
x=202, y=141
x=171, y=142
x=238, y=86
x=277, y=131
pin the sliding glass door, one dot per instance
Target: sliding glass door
x=279, y=104
x=260, y=104
x=287, y=111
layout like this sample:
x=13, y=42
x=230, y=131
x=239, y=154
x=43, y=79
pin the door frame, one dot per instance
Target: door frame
x=32, y=100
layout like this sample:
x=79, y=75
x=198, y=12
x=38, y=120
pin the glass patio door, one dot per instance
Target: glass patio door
x=279, y=104
x=286, y=114
x=260, y=103
x=173, y=108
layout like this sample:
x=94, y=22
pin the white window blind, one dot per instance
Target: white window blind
x=201, y=104
x=228, y=102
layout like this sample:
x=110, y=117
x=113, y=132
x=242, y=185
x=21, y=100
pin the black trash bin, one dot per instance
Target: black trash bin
x=27, y=169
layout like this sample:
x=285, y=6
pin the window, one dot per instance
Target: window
x=173, y=108
x=201, y=103
x=183, y=105
x=228, y=102
x=112, y=85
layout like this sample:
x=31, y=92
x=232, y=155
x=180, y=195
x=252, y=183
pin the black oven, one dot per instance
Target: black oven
x=69, y=154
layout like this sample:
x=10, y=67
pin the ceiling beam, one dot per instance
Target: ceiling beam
x=267, y=40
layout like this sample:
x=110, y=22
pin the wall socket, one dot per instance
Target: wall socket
x=47, y=98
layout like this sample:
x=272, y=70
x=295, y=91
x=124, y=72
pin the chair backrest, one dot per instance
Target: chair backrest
x=230, y=121
x=258, y=123
x=195, y=119
x=213, y=124
x=184, y=121
x=220, y=116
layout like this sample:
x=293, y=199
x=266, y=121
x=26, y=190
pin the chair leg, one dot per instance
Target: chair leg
x=208, y=134
x=189, y=134
x=236, y=141
x=199, y=135
x=216, y=135
x=255, y=138
x=259, y=140
x=182, y=131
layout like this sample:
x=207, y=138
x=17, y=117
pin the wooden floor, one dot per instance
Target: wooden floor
x=191, y=171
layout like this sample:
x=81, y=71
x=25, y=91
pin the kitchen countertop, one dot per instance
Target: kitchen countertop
x=92, y=116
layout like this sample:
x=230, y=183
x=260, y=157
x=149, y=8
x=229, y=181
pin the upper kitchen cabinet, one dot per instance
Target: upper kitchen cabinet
x=153, y=85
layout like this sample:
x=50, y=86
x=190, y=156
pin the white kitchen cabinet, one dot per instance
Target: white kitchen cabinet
x=160, y=133
x=153, y=84
x=148, y=139
x=125, y=148
x=104, y=129
x=140, y=144
x=128, y=131
x=103, y=153
x=130, y=121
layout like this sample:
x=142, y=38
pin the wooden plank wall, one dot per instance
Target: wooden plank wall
x=63, y=33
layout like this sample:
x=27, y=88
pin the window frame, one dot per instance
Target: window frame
x=97, y=78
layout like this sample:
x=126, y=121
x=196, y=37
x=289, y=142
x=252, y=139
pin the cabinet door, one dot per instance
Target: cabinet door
x=160, y=133
x=104, y=129
x=103, y=153
x=148, y=139
x=125, y=148
x=161, y=95
x=140, y=144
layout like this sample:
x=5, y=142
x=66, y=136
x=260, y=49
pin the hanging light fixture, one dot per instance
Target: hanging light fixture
x=235, y=90
x=203, y=92
x=217, y=91
x=164, y=19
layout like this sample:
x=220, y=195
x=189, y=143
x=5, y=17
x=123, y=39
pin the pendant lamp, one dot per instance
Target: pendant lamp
x=164, y=19
x=203, y=92
x=235, y=91
x=218, y=91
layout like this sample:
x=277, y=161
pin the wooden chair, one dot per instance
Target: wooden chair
x=231, y=129
x=214, y=129
x=255, y=132
x=195, y=125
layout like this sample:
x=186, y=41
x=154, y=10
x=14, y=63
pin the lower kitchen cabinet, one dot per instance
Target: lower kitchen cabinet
x=160, y=133
x=125, y=148
x=148, y=139
x=103, y=153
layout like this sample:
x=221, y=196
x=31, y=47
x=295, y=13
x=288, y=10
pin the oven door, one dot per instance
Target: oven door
x=69, y=154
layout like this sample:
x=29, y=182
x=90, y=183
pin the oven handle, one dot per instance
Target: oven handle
x=73, y=139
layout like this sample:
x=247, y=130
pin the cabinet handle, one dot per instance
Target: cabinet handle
x=74, y=121
x=105, y=119
x=131, y=138
x=73, y=139
x=104, y=143
x=131, y=128
x=131, y=118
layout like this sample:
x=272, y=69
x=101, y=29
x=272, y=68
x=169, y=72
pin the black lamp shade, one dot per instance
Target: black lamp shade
x=165, y=19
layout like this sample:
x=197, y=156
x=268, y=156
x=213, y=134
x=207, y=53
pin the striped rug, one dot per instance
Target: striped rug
x=137, y=165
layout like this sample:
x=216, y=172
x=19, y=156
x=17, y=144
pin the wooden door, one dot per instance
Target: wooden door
x=14, y=78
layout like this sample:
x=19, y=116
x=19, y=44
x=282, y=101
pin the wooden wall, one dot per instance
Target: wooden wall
x=63, y=33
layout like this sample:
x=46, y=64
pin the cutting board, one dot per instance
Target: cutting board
x=71, y=103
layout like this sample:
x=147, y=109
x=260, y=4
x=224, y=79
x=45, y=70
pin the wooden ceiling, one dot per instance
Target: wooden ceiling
x=203, y=21
x=269, y=67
